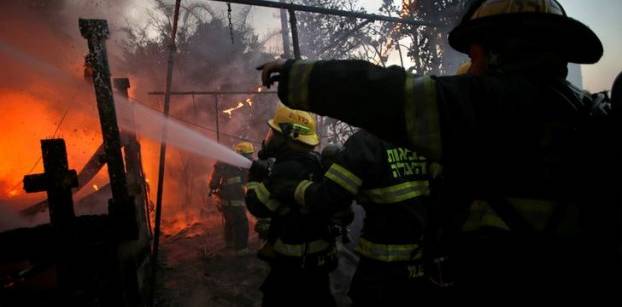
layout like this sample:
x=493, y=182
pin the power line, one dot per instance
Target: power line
x=34, y=165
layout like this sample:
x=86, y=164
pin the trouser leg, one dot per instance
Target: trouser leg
x=229, y=226
x=241, y=228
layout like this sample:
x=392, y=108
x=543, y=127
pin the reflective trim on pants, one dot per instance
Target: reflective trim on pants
x=298, y=250
x=388, y=252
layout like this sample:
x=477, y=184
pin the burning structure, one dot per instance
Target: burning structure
x=54, y=262
x=55, y=255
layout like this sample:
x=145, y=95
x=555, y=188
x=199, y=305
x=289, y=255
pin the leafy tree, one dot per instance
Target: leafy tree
x=428, y=49
x=207, y=59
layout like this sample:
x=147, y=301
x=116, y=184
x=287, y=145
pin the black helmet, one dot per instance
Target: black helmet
x=543, y=21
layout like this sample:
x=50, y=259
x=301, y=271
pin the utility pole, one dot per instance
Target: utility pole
x=167, y=100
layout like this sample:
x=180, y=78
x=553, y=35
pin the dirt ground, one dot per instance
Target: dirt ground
x=196, y=270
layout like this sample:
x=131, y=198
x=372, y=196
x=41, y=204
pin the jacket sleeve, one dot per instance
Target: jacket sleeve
x=216, y=177
x=388, y=102
x=341, y=182
x=259, y=201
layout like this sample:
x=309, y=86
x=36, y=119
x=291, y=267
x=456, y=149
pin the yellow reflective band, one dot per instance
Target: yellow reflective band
x=422, y=118
x=233, y=180
x=388, y=252
x=344, y=178
x=263, y=195
x=397, y=193
x=234, y=203
x=299, y=194
x=482, y=215
x=298, y=89
x=298, y=250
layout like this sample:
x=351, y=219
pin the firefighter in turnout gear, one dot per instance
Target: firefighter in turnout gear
x=300, y=247
x=512, y=132
x=228, y=182
x=392, y=185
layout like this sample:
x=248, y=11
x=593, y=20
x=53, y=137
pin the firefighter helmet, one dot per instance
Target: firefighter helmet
x=301, y=125
x=244, y=148
x=541, y=21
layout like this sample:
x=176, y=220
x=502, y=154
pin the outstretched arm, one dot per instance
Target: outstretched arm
x=388, y=102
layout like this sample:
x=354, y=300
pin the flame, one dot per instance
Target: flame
x=34, y=101
x=248, y=101
x=230, y=110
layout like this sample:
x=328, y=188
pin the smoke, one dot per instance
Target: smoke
x=43, y=96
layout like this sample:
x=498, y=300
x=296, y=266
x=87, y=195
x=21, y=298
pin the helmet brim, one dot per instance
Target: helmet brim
x=311, y=140
x=575, y=41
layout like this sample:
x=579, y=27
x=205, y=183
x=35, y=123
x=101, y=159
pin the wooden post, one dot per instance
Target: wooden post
x=120, y=208
x=57, y=180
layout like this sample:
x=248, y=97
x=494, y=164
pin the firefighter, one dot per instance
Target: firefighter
x=513, y=131
x=228, y=182
x=392, y=184
x=300, y=247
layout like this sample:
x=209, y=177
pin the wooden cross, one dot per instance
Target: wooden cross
x=57, y=180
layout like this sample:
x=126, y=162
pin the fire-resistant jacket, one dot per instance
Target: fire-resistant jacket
x=298, y=238
x=508, y=133
x=516, y=137
x=392, y=185
x=230, y=181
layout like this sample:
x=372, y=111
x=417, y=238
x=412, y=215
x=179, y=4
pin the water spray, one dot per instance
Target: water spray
x=149, y=123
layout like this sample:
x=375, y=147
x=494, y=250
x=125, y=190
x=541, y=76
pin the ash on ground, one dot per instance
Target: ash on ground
x=196, y=269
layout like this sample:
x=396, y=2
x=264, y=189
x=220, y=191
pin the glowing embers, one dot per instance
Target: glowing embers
x=249, y=101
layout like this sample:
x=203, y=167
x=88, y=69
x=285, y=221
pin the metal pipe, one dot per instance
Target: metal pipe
x=285, y=33
x=321, y=10
x=167, y=99
x=217, y=121
x=294, y=29
x=180, y=93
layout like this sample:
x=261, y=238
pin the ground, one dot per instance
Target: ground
x=196, y=270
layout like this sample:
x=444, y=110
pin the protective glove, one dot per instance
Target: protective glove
x=262, y=228
x=260, y=169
